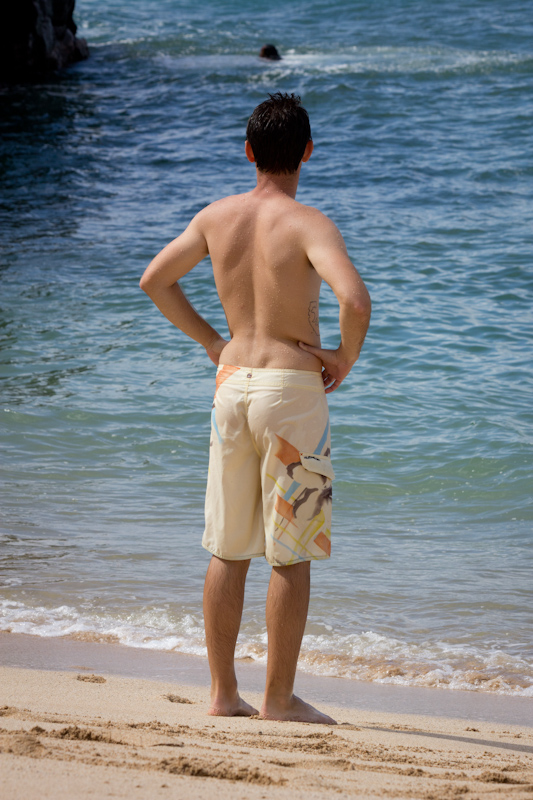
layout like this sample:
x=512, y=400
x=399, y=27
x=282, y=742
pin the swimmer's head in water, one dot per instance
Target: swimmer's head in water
x=270, y=51
x=278, y=132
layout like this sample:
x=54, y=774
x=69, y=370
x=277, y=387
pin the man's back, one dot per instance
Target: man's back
x=267, y=286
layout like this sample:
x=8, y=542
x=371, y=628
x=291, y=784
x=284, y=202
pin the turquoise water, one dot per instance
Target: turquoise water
x=421, y=118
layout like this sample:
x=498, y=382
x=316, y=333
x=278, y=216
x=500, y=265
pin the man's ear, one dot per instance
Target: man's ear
x=309, y=147
x=249, y=152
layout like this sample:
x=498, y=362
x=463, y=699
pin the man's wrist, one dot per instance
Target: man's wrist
x=347, y=357
x=213, y=340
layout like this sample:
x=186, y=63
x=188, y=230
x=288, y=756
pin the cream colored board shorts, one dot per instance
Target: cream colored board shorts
x=269, y=484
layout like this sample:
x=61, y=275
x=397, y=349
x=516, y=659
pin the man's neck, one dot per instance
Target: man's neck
x=271, y=183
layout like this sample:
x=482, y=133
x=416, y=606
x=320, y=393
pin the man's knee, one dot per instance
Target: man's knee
x=294, y=572
x=232, y=569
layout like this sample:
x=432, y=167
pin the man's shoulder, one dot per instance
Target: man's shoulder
x=312, y=213
x=307, y=219
x=223, y=205
x=314, y=220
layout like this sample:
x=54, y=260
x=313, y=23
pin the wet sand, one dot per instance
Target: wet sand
x=69, y=653
x=80, y=733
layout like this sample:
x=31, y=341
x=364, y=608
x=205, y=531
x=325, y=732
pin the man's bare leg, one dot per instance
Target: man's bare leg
x=286, y=614
x=223, y=601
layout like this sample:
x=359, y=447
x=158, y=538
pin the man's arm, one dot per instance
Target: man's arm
x=160, y=282
x=327, y=253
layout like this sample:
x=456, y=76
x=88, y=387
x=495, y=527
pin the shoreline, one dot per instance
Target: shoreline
x=66, y=734
x=66, y=654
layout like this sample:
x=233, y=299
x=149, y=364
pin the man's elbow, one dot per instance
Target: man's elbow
x=359, y=305
x=148, y=283
x=364, y=307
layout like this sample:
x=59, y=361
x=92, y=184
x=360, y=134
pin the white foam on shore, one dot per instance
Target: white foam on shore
x=367, y=656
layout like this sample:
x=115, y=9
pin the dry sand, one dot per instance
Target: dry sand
x=68, y=735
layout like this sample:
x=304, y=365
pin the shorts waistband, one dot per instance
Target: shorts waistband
x=272, y=377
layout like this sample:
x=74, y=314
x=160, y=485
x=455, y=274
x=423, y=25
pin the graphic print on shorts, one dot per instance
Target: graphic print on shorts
x=302, y=512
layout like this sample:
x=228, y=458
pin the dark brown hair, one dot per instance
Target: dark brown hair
x=278, y=132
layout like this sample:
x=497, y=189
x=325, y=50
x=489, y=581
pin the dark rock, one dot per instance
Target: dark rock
x=37, y=37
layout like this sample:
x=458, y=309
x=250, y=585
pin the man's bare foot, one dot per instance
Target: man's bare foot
x=294, y=711
x=236, y=707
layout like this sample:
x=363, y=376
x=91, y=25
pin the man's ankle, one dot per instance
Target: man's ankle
x=224, y=690
x=278, y=697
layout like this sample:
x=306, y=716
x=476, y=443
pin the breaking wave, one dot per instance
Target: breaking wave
x=366, y=656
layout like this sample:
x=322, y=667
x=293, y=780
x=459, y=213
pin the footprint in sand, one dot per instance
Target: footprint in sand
x=91, y=678
x=175, y=698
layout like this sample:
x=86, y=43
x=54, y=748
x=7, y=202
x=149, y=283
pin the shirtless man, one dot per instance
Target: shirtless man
x=269, y=485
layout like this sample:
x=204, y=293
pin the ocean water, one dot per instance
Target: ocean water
x=421, y=116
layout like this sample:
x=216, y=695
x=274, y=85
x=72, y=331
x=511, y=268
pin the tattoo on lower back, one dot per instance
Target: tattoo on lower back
x=312, y=316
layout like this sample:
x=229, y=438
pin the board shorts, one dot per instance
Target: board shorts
x=269, y=485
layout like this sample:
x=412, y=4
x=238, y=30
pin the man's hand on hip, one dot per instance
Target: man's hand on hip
x=215, y=348
x=335, y=367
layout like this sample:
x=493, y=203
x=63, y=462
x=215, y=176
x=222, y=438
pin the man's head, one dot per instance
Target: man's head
x=270, y=52
x=278, y=132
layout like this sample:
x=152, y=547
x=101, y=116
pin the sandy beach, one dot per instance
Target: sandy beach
x=81, y=734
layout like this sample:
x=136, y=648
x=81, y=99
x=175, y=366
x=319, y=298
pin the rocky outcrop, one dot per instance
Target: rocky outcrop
x=37, y=37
